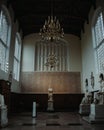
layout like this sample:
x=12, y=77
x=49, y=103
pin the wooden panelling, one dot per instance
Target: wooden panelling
x=61, y=82
x=62, y=102
x=24, y=102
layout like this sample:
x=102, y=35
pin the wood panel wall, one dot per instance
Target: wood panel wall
x=61, y=82
x=21, y=102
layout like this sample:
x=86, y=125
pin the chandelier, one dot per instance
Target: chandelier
x=51, y=29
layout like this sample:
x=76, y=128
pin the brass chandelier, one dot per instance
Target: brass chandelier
x=51, y=29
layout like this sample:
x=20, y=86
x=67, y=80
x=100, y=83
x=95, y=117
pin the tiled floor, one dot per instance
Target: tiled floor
x=50, y=121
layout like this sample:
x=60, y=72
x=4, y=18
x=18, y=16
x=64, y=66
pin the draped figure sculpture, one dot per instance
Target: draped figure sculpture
x=87, y=99
x=84, y=107
x=99, y=96
x=3, y=109
x=1, y=100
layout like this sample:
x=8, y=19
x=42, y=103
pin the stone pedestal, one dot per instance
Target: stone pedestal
x=84, y=109
x=3, y=116
x=50, y=106
x=96, y=114
x=34, y=110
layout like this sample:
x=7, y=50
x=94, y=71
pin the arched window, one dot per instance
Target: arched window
x=17, y=55
x=5, y=32
x=98, y=38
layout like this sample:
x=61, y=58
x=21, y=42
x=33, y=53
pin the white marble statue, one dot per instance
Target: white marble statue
x=87, y=99
x=97, y=107
x=99, y=96
x=84, y=107
x=3, y=109
x=1, y=100
x=50, y=94
x=50, y=100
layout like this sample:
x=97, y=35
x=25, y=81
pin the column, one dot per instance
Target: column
x=45, y=58
x=34, y=57
x=62, y=57
x=41, y=57
x=56, y=50
x=38, y=57
x=68, y=58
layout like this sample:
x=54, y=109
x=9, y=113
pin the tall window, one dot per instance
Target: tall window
x=17, y=53
x=98, y=31
x=4, y=39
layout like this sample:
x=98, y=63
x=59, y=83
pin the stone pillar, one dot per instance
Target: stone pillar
x=45, y=57
x=41, y=56
x=3, y=116
x=68, y=58
x=56, y=52
x=34, y=110
x=34, y=57
x=38, y=55
x=60, y=57
x=96, y=113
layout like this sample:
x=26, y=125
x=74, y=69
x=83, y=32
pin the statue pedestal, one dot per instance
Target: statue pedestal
x=84, y=109
x=34, y=110
x=3, y=116
x=50, y=106
x=96, y=114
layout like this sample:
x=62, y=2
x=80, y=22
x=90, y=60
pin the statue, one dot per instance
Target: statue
x=97, y=107
x=50, y=94
x=87, y=99
x=2, y=101
x=99, y=96
x=86, y=84
x=92, y=80
x=3, y=109
x=84, y=107
x=50, y=100
x=101, y=82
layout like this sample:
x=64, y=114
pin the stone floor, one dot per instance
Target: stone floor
x=50, y=121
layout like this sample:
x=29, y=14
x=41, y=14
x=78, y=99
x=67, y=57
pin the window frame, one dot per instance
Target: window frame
x=5, y=45
x=98, y=16
x=17, y=57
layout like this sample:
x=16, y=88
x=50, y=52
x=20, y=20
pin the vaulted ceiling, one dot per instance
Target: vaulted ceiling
x=72, y=14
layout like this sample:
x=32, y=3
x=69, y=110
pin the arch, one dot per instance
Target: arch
x=19, y=37
x=4, y=8
x=95, y=16
x=98, y=38
x=5, y=37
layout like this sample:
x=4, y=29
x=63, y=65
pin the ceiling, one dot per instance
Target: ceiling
x=72, y=14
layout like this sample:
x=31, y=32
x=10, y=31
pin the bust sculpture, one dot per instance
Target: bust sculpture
x=101, y=82
x=50, y=94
